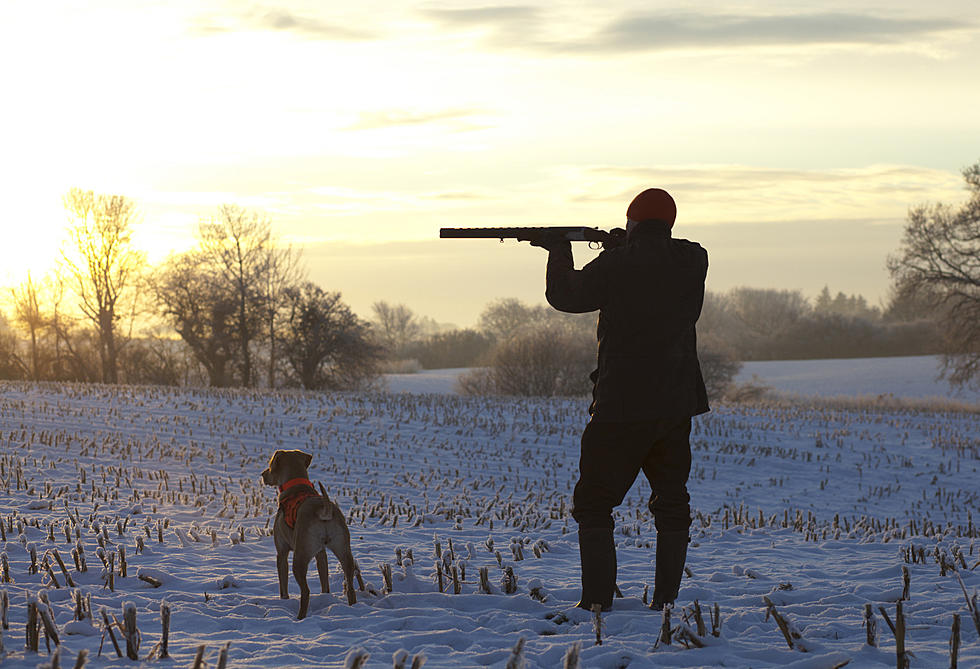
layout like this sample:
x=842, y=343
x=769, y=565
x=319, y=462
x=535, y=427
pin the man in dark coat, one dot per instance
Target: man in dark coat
x=647, y=386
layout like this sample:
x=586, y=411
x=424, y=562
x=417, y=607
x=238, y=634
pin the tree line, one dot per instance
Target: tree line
x=240, y=302
x=245, y=314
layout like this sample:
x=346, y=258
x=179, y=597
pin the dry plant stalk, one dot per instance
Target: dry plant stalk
x=784, y=626
x=130, y=631
x=112, y=635
x=870, y=626
x=597, y=623
x=572, y=656
x=664, y=636
x=954, y=642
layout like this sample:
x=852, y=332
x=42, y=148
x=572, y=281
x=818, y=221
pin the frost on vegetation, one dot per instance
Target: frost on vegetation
x=459, y=508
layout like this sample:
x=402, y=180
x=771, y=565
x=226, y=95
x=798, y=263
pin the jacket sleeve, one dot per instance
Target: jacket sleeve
x=570, y=290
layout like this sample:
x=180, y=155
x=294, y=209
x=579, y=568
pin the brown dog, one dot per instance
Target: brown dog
x=306, y=523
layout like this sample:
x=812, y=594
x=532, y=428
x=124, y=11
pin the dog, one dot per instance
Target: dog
x=307, y=523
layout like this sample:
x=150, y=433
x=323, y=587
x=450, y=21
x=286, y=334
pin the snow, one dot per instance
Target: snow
x=818, y=509
x=907, y=377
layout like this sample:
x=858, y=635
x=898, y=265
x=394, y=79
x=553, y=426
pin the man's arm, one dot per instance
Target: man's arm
x=570, y=290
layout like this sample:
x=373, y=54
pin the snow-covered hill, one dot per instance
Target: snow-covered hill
x=908, y=377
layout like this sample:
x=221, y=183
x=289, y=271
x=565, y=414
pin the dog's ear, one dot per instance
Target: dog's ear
x=308, y=458
x=274, y=461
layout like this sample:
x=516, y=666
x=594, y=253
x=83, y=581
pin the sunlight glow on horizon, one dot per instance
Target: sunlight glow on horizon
x=347, y=128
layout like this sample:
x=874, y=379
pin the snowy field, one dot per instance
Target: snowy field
x=820, y=511
x=907, y=377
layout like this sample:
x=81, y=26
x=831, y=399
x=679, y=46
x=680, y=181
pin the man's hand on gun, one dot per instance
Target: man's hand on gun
x=548, y=240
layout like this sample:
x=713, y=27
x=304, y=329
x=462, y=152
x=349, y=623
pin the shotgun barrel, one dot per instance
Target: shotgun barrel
x=571, y=233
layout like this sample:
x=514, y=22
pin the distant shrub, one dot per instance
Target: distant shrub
x=545, y=361
x=749, y=392
x=452, y=349
x=719, y=365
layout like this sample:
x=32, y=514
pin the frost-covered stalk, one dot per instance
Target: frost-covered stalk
x=906, y=582
x=47, y=568
x=597, y=623
x=81, y=658
x=131, y=632
x=572, y=655
x=699, y=619
x=165, y=635
x=716, y=620
x=356, y=658
x=32, y=636
x=47, y=619
x=64, y=569
x=664, y=636
x=485, y=581
x=112, y=635
x=516, y=659
x=4, y=606
x=971, y=603
x=223, y=656
x=870, y=626
x=122, y=561
x=901, y=656
x=199, y=657
x=5, y=568
x=386, y=576
x=954, y=642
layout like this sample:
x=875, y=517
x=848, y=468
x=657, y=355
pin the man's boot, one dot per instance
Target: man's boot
x=671, y=555
x=598, y=551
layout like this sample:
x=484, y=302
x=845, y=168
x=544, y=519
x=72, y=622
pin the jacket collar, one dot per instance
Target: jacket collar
x=651, y=228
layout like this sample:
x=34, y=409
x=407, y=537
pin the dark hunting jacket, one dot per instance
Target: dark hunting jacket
x=649, y=294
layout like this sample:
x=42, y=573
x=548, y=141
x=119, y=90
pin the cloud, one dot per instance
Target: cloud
x=281, y=20
x=527, y=27
x=393, y=118
x=656, y=32
x=726, y=193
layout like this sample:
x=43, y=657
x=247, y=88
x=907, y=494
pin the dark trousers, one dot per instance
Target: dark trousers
x=612, y=456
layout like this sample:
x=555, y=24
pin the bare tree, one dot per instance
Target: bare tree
x=397, y=326
x=203, y=310
x=106, y=266
x=326, y=345
x=28, y=315
x=236, y=242
x=10, y=366
x=939, y=259
x=505, y=317
x=283, y=272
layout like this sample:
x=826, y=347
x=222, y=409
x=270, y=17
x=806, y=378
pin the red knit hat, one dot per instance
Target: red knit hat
x=652, y=203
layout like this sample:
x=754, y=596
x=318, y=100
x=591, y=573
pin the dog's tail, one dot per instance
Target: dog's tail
x=326, y=511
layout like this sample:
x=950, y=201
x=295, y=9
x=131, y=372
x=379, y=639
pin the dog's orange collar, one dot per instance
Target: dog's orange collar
x=293, y=482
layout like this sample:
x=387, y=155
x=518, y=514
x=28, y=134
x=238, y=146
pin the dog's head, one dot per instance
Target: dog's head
x=286, y=465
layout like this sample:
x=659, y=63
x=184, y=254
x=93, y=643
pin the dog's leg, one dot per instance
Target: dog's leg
x=323, y=569
x=346, y=559
x=282, y=567
x=301, y=563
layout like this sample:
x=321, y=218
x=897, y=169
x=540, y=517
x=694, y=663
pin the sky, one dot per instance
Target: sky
x=793, y=136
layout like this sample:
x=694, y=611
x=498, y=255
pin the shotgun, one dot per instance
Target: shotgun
x=594, y=236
